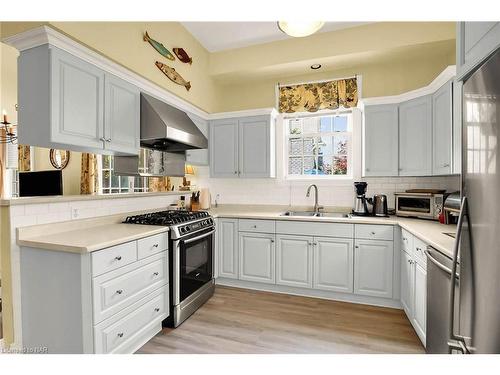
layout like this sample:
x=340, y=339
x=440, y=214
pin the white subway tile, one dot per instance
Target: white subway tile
x=36, y=209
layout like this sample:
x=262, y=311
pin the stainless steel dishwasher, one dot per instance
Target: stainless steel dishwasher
x=439, y=271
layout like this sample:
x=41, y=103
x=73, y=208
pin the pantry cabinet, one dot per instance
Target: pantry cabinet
x=294, y=256
x=442, y=130
x=256, y=257
x=228, y=248
x=333, y=264
x=242, y=147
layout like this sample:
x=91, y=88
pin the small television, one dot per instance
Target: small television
x=40, y=183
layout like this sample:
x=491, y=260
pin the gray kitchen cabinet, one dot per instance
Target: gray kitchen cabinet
x=415, y=137
x=373, y=260
x=223, y=148
x=420, y=301
x=333, y=264
x=442, y=130
x=228, y=248
x=242, y=147
x=407, y=289
x=198, y=157
x=457, y=127
x=294, y=258
x=475, y=42
x=256, y=257
x=381, y=140
x=121, y=116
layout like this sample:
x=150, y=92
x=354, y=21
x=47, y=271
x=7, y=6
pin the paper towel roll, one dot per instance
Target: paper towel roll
x=204, y=198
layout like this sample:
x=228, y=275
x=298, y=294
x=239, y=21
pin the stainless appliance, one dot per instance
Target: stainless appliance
x=191, y=259
x=477, y=246
x=360, y=200
x=420, y=205
x=380, y=205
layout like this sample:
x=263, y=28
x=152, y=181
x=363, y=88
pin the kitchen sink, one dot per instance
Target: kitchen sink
x=314, y=214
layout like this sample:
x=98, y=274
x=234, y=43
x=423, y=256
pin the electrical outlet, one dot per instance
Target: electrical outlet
x=75, y=213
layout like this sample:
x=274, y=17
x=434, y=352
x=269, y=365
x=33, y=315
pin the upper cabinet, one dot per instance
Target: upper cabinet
x=415, y=137
x=198, y=157
x=381, y=140
x=68, y=103
x=442, y=130
x=242, y=147
x=476, y=41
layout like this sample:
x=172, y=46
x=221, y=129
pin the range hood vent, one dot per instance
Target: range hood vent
x=166, y=128
x=151, y=163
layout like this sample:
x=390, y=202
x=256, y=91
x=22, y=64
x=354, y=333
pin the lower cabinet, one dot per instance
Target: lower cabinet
x=373, y=263
x=256, y=257
x=420, y=306
x=228, y=248
x=333, y=264
x=294, y=260
x=407, y=283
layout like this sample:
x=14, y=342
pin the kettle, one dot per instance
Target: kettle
x=380, y=205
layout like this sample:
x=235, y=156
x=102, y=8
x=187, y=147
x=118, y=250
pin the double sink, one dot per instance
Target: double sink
x=316, y=214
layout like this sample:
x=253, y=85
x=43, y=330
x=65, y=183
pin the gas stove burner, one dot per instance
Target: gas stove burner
x=166, y=218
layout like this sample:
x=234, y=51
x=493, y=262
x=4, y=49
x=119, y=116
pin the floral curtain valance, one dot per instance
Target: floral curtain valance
x=312, y=97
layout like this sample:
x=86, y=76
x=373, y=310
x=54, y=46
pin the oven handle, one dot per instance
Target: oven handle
x=198, y=237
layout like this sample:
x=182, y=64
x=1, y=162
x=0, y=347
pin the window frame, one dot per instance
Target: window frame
x=131, y=188
x=350, y=149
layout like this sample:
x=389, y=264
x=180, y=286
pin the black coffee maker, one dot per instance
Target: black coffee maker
x=361, y=201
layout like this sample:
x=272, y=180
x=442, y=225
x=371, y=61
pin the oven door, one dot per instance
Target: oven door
x=417, y=206
x=195, y=263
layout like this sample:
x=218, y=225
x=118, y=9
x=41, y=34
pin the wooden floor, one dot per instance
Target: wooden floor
x=251, y=322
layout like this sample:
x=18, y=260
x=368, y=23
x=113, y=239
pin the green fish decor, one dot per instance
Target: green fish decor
x=159, y=47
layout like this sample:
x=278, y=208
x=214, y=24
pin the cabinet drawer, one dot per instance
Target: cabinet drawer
x=418, y=251
x=315, y=229
x=122, y=331
x=374, y=232
x=152, y=245
x=116, y=290
x=407, y=241
x=264, y=226
x=113, y=257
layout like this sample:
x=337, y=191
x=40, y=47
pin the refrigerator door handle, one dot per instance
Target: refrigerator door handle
x=456, y=342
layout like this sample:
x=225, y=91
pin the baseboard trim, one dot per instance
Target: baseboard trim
x=323, y=294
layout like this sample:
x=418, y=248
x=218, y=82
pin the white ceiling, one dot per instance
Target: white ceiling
x=218, y=36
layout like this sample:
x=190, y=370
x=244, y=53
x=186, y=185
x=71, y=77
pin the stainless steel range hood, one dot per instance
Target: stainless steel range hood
x=167, y=128
x=151, y=163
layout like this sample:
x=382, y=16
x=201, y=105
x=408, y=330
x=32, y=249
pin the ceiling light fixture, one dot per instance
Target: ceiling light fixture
x=298, y=29
x=315, y=66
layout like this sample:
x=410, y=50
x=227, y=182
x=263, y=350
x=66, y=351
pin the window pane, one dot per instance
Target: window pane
x=311, y=124
x=295, y=165
x=325, y=146
x=326, y=124
x=295, y=126
x=325, y=165
x=106, y=161
x=115, y=191
x=340, y=123
x=309, y=146
x=340, y=145
x=105, y=179
x=340, y=165
x=295, y=146
x=124, y=182
x=310, y=166
x=115, y=180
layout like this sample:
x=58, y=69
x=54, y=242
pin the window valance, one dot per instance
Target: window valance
x=312, y=97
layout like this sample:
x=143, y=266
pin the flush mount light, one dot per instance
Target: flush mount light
x=299, y=29
x=315, y=66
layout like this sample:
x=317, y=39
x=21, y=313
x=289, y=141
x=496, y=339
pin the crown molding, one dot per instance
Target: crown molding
x=245, y=113
x=431, y=88
x=46, y=35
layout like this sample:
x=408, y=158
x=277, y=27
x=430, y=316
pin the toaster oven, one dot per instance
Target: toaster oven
x=419, y=205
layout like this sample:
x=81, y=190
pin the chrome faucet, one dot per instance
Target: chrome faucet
x=317, y=207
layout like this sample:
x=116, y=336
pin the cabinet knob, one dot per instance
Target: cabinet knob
x=446, y=165
x=272, y=241
x=155, y=245
x=119, y=291
x=157, y=309
x=119, y=257
x=357, y=247
x=367, y=169
x=373, y=233
x=254, y=226
x=156, y=273
x=120, y=334
x=102, y=139
x=405, y=239
x=235, y=172
x=419, y=249
x=108, y=140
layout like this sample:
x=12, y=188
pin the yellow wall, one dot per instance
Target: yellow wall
x=8, y=81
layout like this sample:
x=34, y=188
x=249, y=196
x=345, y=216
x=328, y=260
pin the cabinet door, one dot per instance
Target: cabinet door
x=223, y=148
x=333, y=264
x=420, y=305
x=442, y=129
x=198, y=157
x=256, y=257
x=77, y=101
x=457, y=127
x=415, y=137
x=294, y=261
x=228, y=248
x=373, y=260
x=121, y=116
x=380, y=140
x=254, y=147
x=407, y=284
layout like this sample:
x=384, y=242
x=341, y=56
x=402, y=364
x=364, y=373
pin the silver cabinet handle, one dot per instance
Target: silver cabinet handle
x=120, y=334
x=357, y=247
x=157, y=309
x=119, y=291
x=372, y=233
x=254, y=226
x=315, y=244
x=108, y=140
x=155, y=245
x=272, y=241
x=235, y=172
x=156, y=273
x=418, y=249
x=119, y=257
x=446, y=165
x=198, y=237
x=102, y=139
x=405, y=239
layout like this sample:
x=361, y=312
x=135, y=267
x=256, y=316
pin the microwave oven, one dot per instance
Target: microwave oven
x=419, y=205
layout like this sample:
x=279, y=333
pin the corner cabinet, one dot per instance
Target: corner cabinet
x=476, y=41
x=380, y=138
x=66, y=102
x=242, y=147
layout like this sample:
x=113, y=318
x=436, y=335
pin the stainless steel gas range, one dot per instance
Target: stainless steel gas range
x=191, y=259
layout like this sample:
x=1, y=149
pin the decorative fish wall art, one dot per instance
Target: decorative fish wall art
x=182, y=55
x=159, y=47
x=172, y=74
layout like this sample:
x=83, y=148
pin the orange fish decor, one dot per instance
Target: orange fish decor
x=182, y=55
x=172, y=74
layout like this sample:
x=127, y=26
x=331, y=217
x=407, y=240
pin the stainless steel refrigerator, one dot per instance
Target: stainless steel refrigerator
x=477, y=329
